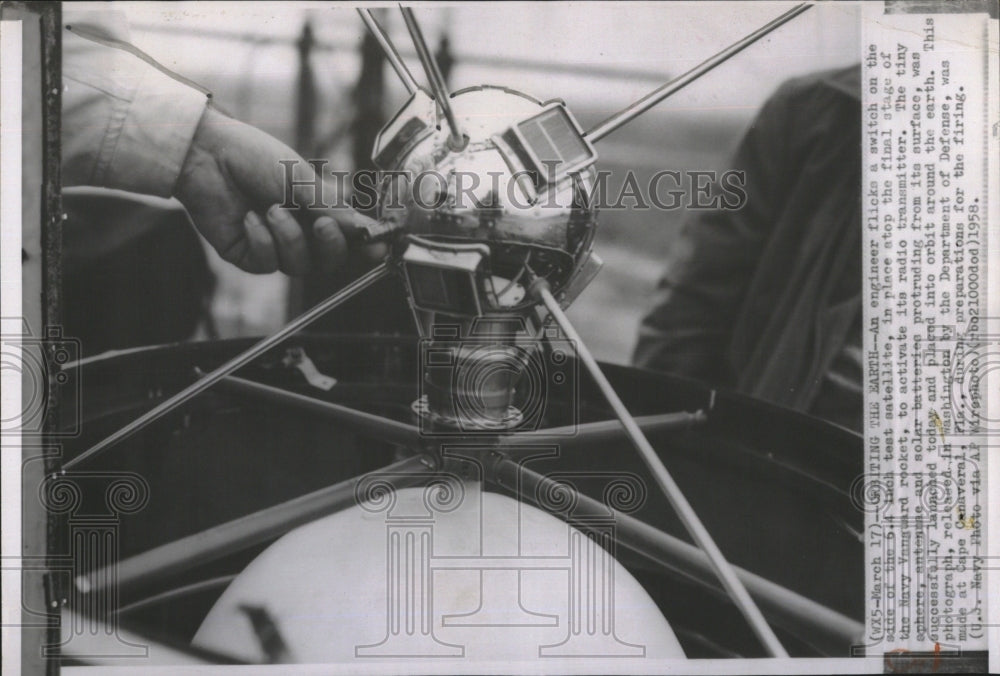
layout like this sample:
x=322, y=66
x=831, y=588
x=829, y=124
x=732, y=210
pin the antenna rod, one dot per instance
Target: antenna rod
x=390, y=50
x=732, y=584
x=243, y=358
x=651, y=99
x=457, y=139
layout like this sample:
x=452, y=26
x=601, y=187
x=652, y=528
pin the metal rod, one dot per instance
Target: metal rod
x=247, y=531
x=404, y=434
x=390, y=49
x=438, y=86
x=377, y=426
x=233, y=364
x=822, y=627
x=540, y=289
x=175, y=593
x=605, y=431
x=651, y=99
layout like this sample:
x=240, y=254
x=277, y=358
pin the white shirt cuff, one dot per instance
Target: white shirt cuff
x=155, y=135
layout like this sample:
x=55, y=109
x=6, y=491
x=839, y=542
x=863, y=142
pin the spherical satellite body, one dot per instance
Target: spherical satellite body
x=487, y=195
x=488, y=209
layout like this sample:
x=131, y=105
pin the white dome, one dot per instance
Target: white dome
x=482, y=578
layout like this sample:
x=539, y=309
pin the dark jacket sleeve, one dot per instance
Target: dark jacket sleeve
x=714, y=257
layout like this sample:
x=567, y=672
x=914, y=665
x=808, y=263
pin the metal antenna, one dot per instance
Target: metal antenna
x=457, y=139
x=390, y=50
x=732, y=584
x=639, y=107
x=233, y=364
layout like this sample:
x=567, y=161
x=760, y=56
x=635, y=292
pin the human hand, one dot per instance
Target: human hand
x=231, y=184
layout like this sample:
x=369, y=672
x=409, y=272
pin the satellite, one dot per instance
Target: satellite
x=487, y=205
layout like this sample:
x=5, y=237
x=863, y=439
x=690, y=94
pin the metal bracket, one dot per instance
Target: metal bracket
x=297, y=358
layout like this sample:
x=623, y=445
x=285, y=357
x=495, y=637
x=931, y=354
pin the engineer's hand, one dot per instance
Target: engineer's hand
x=232, y=185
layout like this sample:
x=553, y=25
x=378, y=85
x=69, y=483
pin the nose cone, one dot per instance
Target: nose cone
x=461, y=574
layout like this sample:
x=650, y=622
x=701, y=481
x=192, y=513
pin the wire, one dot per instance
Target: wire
x=139, y=54
x=461, y=59
x=170, y=594
x=511, y=283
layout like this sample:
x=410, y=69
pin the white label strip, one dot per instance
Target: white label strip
x=929, y=339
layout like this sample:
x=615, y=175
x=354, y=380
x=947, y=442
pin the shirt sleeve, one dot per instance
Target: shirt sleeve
x=126, y=124
x=713, y=259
